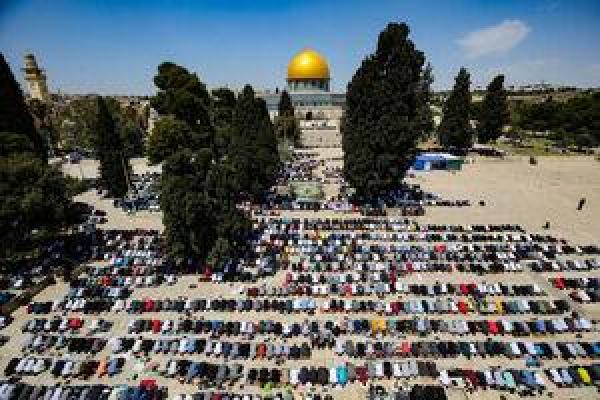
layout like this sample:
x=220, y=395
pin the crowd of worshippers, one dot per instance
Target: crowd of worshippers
x=65, y=324
x=342, y=374
x=583, y=289
x=314, y=247
x=136, y=259
x=300, y=168
x=147, y=390
x=41, y=343
x=513, y=379
x=144, y=193
x=17, y=277
x=271, y=394
x=321, y=257
x=321, y=284
x=319, y=330
x=309, y=305
x=333, y=173
x=64, y=367
x=415, y=392
x=404, y=203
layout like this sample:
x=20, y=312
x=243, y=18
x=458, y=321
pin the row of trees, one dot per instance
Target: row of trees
x=456, y=131
x=216, y=151
x=575, y=122
x=35, y=198
x=71, y=126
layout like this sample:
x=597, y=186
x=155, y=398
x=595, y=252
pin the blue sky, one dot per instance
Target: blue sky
x=114, y=46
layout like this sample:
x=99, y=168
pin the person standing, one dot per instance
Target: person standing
x=581, y=204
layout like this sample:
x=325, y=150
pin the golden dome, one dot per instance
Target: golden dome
x=308, y=64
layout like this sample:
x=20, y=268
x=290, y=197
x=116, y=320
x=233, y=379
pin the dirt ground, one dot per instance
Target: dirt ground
x=516, y=192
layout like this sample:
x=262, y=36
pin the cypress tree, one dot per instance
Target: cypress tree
x=494, y=111
x=286, y=125
x=17, y=127
x=384, y=117
x=425, y=113
x=188, y=214
x=254, y=146
x=223, y=105
x=285, y=107
x=455, y=129
x=114, y=164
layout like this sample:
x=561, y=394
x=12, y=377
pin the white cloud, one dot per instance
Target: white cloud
x=527, y=71
x=494, y=39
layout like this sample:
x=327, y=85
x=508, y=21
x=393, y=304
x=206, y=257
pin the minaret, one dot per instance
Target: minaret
x=36, y=79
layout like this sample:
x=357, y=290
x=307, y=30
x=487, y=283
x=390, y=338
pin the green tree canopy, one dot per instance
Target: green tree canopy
x=567, y=121
x=455, y=129
x=253, y=150
x=184, y=96
x=43, y=117
x=425, y=113
x=200, y=214
x=169, y=136
x=384, y=118
x=73, y=125
x=114, y=163
x=285, y=107
x=199, y=184
x=33, y=196
x=287, y=128
x=15, y=118
x=223, y=106
x=188, y=213
x=494, y=111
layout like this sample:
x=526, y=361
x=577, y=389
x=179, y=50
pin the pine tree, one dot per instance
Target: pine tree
x=384, y=117
x=114, y=164
x=455, y=129
x=494, y=111
x=17, y=128
x=183, y=95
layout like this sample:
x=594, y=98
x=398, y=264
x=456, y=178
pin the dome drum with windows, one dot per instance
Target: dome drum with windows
x=308, y=72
